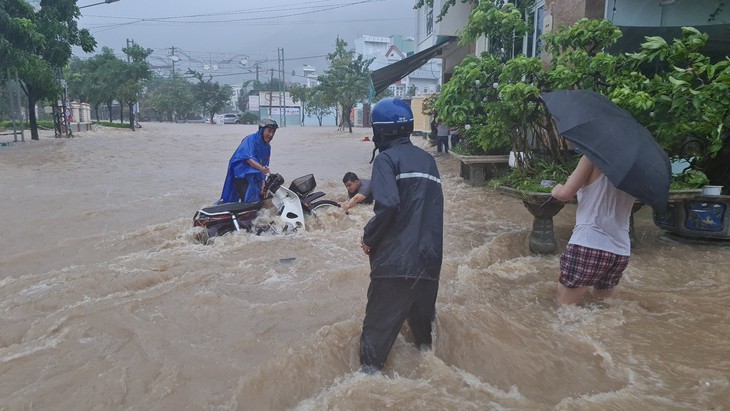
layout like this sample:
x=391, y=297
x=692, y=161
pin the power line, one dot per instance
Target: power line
x=239, y=20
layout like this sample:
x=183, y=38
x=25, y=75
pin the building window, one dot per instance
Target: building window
x=429, y=21
x=533, y=46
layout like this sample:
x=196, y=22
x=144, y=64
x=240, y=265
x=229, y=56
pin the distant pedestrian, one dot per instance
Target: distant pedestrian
x=442, y=137
x=454, y=136
x=434, y=130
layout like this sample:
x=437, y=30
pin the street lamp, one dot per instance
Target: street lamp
x=96, y=4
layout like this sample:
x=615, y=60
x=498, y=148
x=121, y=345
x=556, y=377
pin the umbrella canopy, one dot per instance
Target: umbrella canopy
x=614, y=141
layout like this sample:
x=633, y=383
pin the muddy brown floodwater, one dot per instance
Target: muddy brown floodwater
x=109, y=303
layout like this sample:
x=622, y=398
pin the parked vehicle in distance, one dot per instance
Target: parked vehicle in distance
x=196, y=119
x=231, y=118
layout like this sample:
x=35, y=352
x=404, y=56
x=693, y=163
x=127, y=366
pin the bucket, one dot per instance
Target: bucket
x=711, y=190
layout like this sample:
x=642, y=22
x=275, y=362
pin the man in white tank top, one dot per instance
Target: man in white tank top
x=599, y=249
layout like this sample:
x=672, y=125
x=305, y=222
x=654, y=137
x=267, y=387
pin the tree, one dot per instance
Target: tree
x=312, y=101
x=18, y=36
x=681, y=97
x=211, y=96
x=346, y=82
x=135, y=72
x=170, y=98
x=38, y=44
x=95, y=80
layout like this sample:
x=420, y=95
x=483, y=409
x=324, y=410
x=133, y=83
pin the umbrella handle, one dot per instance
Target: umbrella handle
x=548, y=201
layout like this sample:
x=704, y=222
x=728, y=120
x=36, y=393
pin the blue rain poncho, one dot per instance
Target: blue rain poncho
x=252, y=146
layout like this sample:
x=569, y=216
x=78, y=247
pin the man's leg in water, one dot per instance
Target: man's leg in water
x=241, y=185
x=387, y=308
x=423, y=311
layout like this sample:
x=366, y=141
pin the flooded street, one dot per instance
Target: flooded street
x=108, y=301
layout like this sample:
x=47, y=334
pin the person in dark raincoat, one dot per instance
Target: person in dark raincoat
x=404, y=239
x=249, y=165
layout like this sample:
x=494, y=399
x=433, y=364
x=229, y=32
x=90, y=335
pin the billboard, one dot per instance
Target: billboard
x=253, y=103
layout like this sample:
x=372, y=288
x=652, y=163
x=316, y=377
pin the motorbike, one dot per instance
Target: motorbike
x=290, y=205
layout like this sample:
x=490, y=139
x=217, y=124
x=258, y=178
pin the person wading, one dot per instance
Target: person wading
x=404, y=239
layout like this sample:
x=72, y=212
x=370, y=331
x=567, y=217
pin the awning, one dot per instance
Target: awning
x=384, y=77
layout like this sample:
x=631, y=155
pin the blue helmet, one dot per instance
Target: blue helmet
x=392, y=117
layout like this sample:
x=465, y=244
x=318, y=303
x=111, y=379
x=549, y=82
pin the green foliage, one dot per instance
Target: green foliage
x=684, y=102
x=670, y=87
x=531, y=180
x=249, y=118
x=37, y=45
x=447, y=4
x=346, y=82
x=211, y=96
x=689, y=179
x=502, y=24
x=170, y=98
x=580, y=57
x=8, y=124
x=114, y=125
x=315, y=104
x=95, y=80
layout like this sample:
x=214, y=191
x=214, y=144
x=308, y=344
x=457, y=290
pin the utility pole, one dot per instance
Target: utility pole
x=172, y=53
x=129, y=43
x=282, y=88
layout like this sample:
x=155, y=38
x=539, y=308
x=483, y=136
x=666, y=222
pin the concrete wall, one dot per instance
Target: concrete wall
x=421, y=122
x=637, y=13
x=567, y=12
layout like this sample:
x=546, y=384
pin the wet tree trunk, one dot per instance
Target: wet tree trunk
x=32, y=121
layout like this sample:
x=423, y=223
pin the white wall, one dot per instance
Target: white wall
x=451, y=25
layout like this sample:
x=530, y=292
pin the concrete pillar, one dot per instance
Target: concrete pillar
x=86, y=112
x=75, y=111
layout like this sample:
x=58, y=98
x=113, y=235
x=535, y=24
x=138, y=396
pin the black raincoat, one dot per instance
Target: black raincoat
x=406, y=234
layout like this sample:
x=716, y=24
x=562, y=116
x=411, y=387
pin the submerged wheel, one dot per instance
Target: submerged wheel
x=323, y=206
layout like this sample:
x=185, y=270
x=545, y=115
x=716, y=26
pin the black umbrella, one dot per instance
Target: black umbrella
x=614, y=141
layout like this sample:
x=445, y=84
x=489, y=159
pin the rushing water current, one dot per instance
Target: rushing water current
x=108, y=302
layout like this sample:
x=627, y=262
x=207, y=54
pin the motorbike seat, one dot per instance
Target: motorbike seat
x=232, y=207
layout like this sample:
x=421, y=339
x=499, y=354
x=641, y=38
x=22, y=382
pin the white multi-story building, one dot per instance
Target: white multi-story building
x=310, y=75
x=237, y=90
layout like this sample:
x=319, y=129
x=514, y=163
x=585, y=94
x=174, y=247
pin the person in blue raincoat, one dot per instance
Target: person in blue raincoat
x=249, y=165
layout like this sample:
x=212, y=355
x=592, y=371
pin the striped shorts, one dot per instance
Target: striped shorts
x=589, y=267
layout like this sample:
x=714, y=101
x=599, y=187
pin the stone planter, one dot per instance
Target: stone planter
x=542, y=236
x=695, y=216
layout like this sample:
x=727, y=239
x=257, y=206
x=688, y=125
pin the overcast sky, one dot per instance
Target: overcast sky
x=214, y=36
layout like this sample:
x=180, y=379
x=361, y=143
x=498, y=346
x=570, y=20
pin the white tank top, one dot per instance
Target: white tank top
x=602, y=217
